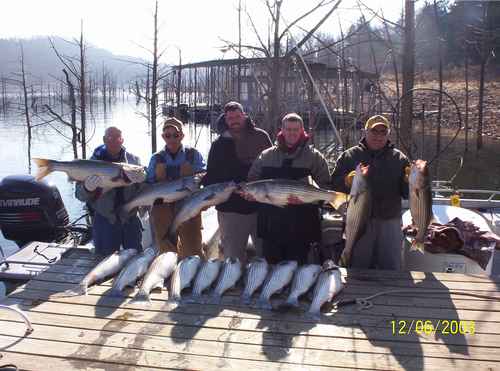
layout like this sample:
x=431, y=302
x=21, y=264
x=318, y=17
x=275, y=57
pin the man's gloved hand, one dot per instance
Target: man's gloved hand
x=294, y=200
x=407, y=174
x=92, y=182
x=349, y=178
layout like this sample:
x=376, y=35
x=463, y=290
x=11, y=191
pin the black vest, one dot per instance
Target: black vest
x=294, y=223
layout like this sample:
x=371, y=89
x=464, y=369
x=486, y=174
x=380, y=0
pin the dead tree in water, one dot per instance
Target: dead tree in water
x=405, y=123
x=26, y=107
x=79, y=73
x=150, y=89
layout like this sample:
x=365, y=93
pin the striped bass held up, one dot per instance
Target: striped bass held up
x=277, y=191
x=168, y=192
x=358, y=212
x=211, y=195
x=112, y=174
x=420, y=195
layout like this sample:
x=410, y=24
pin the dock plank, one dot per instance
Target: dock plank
x=98, y=332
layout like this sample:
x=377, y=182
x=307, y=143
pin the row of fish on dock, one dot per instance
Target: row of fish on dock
x=152, y=270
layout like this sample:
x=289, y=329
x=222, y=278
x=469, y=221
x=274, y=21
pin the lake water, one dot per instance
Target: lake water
x=48, y=143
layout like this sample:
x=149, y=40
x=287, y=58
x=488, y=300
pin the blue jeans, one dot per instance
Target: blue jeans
x=109, y=237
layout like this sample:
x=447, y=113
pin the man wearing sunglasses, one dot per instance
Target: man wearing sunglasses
x=380, y=246
x=173, y=162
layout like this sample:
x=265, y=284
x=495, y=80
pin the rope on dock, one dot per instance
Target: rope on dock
x=27, y=321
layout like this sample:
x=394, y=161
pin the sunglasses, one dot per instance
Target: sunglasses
x=168, y=136
x=379, y=132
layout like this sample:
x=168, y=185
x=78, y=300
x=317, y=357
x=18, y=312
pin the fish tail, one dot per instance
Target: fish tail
x=77, y=290
x=195, y=298
x=245, y=299
x=44, y=167
x=115, y=293
x=292, y=301
x=216, y=298
x=142, y=298
x=313, y=313
x=417, y=246
x=263, y=303
x=337, y=199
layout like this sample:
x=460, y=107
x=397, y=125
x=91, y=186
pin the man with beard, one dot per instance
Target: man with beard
x=229, y=159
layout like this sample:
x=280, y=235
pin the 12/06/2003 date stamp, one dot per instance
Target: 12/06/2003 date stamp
x=436, y=326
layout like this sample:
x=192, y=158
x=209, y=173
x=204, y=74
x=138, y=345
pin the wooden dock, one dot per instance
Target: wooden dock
x=96, y=332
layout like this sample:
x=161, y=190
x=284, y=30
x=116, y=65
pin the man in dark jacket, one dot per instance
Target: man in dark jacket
x=380, y=246
x=229, y=159
x=288, y=232
x=108, y=231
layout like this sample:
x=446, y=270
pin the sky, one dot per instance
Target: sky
x=197, y=27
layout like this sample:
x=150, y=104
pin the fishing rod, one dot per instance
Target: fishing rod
x=297, y=52
x=396, y=112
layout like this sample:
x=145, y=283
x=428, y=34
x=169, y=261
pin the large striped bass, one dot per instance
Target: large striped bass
x=106, y=268
x=280, y=277
x=135, y=269
x=328, y=285
x=161, y=268
x=255, y=275
x=277, y=192
x=183, y=275
x=304, y=279
x=113, y=174
x=211, y=195
x=420, y=196
x=230, y=274
x=168, y=192
x=206, y=276
x=358, y=212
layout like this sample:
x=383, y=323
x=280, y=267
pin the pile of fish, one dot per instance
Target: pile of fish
x=210, y=279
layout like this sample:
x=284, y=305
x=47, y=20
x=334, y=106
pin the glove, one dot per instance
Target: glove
x=407, y=174
x=92, y=183
x=349, y=177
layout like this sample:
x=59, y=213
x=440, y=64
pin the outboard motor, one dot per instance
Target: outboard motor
x=31, y=210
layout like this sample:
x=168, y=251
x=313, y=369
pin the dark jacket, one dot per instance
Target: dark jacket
x=107, y=204
x=229, y=160
x=296, y=225
x=386, y=176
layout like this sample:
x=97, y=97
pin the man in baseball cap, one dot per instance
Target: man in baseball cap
x=380, y=245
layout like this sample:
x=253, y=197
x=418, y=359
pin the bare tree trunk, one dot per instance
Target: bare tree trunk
x=154, y=81
x=408, y=75
x=83, y=93
x=26, y=108
x=479, y=134
x=440, y=99
x=239, y=51
x=274, y=110
x=72, y=104
x=466, y=64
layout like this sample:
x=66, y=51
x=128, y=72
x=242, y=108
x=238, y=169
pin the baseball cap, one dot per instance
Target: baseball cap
x=375, y=121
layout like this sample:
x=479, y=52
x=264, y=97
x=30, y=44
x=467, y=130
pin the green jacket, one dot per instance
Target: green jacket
x=386, y=176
